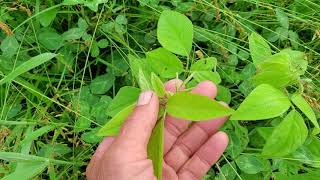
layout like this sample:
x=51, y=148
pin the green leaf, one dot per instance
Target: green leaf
x=126, y=96
x=223, y=94
x=102, y=84
x=195, y=107
x=276, y=71
x=252, y=164
x=9, y=46
x=86, y=96
x=144, y=84
x=50, y=40
x=303, y=105
x=112, y=127
x=73, y=34
x=137, y=65
x=83, y=122
x=27, y=170
x=304, y=176
x=95, y=51
x=103, y=43
x=82, y=24
x=263, y=102
x=298, y=61
x=227, y=172
x=205, y=64
x=100, y=109
x=287, y=136
x=94, y=4
x=47, y=17
x=259, y=48
x=72, y=2
x=166, y=64
x=175, y=32
x=157, y=85
x=91, y=137
x=282, y=18
x=155, y=148
x=200, y=76
x=121, y=19
x=28, y=65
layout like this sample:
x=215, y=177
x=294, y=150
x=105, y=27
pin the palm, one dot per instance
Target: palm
x=190, y=151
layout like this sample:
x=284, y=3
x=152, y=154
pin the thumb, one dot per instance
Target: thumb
x=138, y=127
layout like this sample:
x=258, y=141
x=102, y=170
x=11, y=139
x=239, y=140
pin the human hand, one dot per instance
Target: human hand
x=189, y=152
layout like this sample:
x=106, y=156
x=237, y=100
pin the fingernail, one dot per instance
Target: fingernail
x=145, y=98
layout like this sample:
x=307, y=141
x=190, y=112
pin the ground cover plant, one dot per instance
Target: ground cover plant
x=72, y=70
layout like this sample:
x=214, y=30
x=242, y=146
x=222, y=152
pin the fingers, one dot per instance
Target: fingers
x=174, y=127
x=102, y=148
x=174, y=85
x=138, y=127
x=205, y=157
x=190, y=141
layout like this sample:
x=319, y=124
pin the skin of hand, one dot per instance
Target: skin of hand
x=189, y=151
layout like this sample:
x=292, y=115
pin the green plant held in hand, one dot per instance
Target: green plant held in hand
x=267, y=100
x=71, y=72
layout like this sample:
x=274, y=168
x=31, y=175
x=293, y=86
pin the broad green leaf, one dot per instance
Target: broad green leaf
x=252, y=164
x=144, y=84
x=112, y=127
x=73, y=2
x=87, y=96
x=94, y=4
x=303, y=176
x=259, y=48
x=9, y=46
x=282, y=33
x=238, y=138
x=102, y=84
x=155, y=148
x=298, y=61
x=47, y=17
x=287, y=136
x=121, y=19
x=200, y=76
x=103, y=43
x=95, y=51
x=28, y=65
x=195, y=107
x=99, y=112
x=91, y=137
x=206, y=64
x=276, y=71
x=137, y=65
x=50, y=40
x=263, y=102
x=20, y=157
x=157, y=85
x=282, y=18
x=309, y=152
x=73, y=34
x=126, y=96
x=303, y=105
x=175, y=32
x=166, y=64
x=223, y=94
x=27, y=170
x=227, y=172
x=83, y=122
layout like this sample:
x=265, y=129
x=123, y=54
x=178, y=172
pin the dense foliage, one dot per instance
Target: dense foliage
x=69, y=67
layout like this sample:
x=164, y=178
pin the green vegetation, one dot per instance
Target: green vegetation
x=72, y=70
